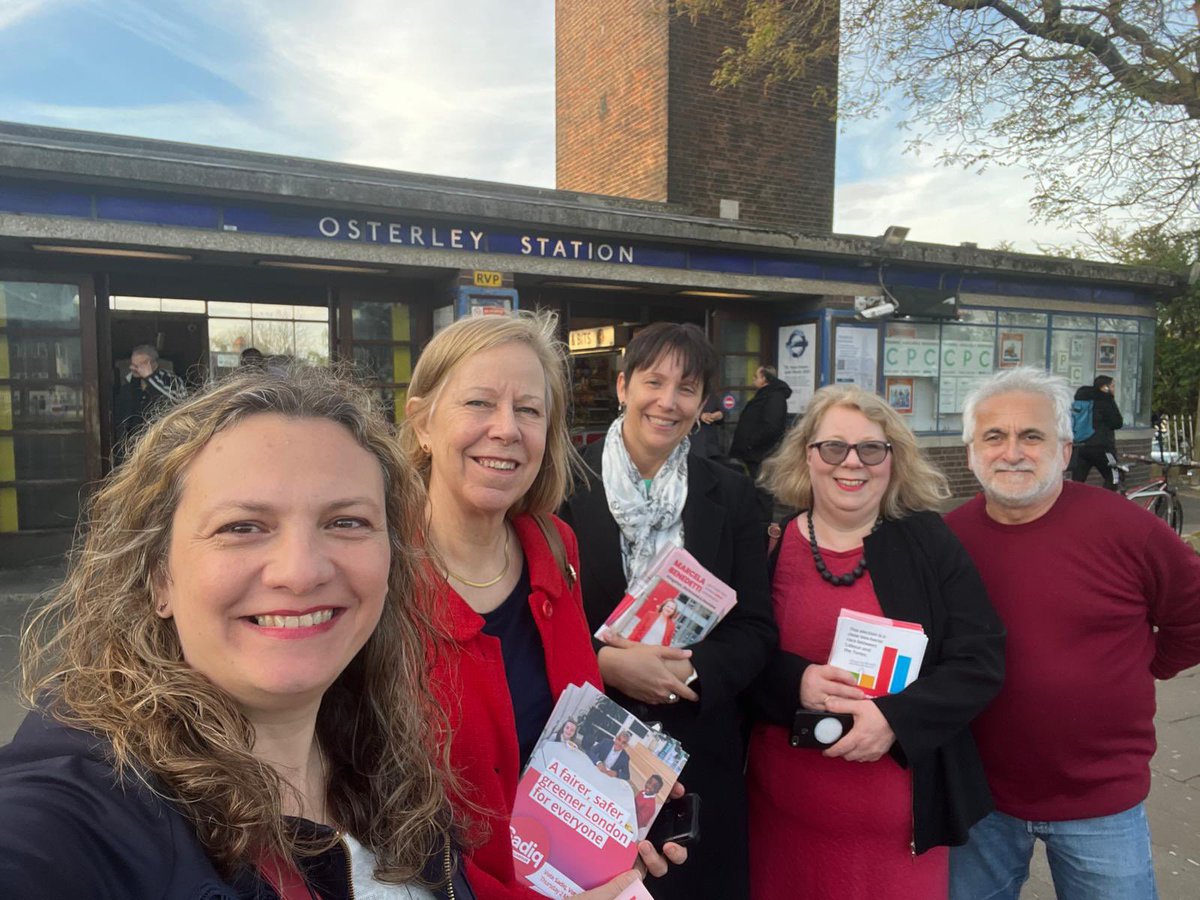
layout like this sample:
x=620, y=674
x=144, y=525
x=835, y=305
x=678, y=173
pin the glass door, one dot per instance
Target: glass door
x=49, y=444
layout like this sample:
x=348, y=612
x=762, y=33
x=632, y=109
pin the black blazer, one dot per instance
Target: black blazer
x=921, y=573
x=723, y=529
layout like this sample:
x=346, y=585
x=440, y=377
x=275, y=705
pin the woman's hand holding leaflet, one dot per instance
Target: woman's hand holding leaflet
x=869, y=738
x=819, y=684
x=641, y=671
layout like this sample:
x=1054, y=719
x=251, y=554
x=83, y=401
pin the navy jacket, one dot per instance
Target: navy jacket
x=70, y=828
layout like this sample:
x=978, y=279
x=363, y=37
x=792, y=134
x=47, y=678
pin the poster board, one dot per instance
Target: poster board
x=855, y=356
x=798, y=363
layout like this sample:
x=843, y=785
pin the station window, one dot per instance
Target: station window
x=380, y=342
x=43, y=431
x=929, y=368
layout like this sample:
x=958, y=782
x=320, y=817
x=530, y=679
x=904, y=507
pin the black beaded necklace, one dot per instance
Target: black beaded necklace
x=819, y=561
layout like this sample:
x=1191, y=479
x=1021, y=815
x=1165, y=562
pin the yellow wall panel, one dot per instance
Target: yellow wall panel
x=401, y=324
x=8, y=462
x=8, y=509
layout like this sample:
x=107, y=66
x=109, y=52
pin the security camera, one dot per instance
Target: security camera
x=879, y=310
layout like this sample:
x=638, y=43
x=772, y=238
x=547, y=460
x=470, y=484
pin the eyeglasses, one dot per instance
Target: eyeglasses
x=870, y=453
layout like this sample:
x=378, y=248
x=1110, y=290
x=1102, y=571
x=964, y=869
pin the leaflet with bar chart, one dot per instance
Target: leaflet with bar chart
x=884, y=654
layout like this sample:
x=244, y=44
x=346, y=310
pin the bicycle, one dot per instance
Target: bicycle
x=1158, y=495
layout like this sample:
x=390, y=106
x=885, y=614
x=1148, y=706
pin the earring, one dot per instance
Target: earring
x=621, y=407
x=695, y=428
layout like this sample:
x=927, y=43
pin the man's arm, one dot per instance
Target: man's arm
x=1173, y=595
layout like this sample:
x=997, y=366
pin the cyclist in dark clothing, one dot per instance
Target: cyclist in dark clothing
x=1100, y=450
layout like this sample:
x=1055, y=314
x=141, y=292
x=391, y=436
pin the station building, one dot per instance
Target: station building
x=108, y=242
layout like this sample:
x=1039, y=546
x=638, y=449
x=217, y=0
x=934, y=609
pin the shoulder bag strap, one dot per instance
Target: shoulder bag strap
x=554, y=539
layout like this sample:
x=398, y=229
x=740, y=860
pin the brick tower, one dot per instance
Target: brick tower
x=637, y=117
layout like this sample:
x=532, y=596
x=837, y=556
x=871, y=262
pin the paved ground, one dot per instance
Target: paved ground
x=1174, y=804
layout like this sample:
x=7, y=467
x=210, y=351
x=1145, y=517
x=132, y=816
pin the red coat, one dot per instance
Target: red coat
x=471, y=686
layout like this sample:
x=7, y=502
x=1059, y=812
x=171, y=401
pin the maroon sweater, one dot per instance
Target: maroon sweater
x=1080, y=590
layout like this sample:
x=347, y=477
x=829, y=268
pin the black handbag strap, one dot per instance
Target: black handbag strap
x=776, y=543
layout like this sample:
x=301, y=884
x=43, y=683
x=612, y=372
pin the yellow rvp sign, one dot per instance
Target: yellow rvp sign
x=489, y=279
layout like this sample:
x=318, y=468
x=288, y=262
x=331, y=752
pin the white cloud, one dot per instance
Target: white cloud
x=463, y=89
x=940, y=204
x=200, y=122
x=14, y=11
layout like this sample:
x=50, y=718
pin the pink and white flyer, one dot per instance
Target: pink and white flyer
x=578, y=814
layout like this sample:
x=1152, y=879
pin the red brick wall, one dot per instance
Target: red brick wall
x=770, y=149
x=637, y=117
x=611, y=100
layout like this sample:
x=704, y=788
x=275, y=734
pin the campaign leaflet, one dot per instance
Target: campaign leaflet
x=676, y=602
x=883, y=654
x=595, y=781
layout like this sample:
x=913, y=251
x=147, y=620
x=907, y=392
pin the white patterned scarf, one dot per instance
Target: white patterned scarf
x=647, y=519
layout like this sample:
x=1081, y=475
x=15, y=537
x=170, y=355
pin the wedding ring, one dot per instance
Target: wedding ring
x=672, y=697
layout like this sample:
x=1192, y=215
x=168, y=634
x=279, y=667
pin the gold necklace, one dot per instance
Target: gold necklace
x=490, y=582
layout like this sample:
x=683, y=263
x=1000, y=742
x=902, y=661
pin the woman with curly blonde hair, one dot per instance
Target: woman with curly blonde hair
x=868, y=540
x=229, y=691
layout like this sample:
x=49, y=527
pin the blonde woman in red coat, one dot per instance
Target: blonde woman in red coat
x=486, y=427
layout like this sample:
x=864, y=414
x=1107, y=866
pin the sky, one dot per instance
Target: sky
x=448, y=87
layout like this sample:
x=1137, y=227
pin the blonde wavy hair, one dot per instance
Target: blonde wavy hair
x=561, y=463
x=915, y=484
x=98, y=658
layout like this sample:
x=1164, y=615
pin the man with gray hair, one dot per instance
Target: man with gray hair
x=146, y=387
x=1100, y=598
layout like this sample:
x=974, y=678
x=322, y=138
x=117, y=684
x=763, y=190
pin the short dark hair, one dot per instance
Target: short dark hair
x=770, y=373
x=1102, y=381
x=697, y=357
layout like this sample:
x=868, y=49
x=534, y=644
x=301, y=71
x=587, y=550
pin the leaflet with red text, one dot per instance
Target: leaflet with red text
x=675, y=603
x=593, y=786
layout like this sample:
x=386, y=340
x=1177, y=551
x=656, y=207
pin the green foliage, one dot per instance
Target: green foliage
x=1099, y=99
x=1177, y=335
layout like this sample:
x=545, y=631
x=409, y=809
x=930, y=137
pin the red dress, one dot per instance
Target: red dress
x=828, y=829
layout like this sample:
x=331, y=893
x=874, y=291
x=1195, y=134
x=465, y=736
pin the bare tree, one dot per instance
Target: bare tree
x=1100, y=100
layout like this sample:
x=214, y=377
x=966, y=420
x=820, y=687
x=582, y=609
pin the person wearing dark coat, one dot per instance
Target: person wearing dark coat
x=706, y=441
x=143, y=393
x=645, y=490
x=762, y=423
x=1099, y=451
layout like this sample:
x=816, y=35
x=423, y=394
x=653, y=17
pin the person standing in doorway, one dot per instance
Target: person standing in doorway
x=1095, y=417
x=762, y=423
x=144, y=388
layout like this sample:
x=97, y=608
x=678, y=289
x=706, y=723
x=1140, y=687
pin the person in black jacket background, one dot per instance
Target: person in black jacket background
x=1100, y=450
x=762, y=423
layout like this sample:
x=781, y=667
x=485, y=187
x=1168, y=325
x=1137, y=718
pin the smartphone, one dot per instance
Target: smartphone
x=818, y=729
x=678, y=822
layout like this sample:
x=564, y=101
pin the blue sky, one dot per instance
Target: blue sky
x=448, y=87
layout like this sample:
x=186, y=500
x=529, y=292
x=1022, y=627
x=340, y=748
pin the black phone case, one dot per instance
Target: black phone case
x=804, y=726
x=678, y=821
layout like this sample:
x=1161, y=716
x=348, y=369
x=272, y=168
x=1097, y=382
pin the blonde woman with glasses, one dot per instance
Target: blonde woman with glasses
x=875, y=810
